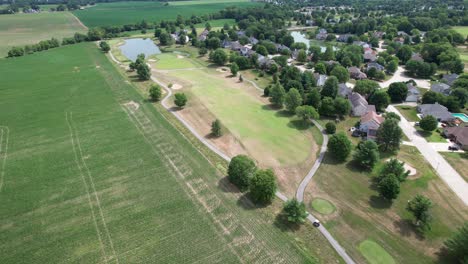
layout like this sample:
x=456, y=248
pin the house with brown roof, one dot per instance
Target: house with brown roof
x=459, y=135
x=370, y=122
x=356, y=73
x=359, y=105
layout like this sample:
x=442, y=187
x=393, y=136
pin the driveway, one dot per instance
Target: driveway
x=443, y=147
x=445, y=171
x=400, y=76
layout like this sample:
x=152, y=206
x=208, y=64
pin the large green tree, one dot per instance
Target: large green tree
x=292, y=100
x=241, y=169
x=398, y=92
x=330, y=88
x=365, y=87
x=389, y=135
x=380, y=99
x=341, y=73
x=155, y=92
x=263, y=186
x=219, y=57
x=306, y=112
x=428, y=123
x=396, y=168
x=277, y=95
x=420, y=207
x=295, y=211
x=339, y=146
x=367, y=154
x=389, y=187
x=457, y=245
x=180, y=99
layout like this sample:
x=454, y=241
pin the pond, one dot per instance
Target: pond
x=300, y=37
x=133, y=47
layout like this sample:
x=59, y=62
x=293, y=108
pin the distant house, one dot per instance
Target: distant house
x=402, y=34
x=378, y=34
x=359, y=104
x=203, y=35
x=344, y=90
x=344, y=37
x=356, y=73
x=449, y=79
x=320, y=79
x=309, y=23
x=375, y=65
x=246, y=52
x=265, y=62
x=236, y=46
x=281, y=47
x=436, y=110
x=441, y=88
x=241, y=33
x=417, y=57
x=226, y=44
x=459, y=135
x=253, y=41
x=322, y=35
x=369, y=57
x=413, y=93
x=370, y=122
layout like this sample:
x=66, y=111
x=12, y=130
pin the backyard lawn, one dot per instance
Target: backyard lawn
x=409, y=112
x=459, y=161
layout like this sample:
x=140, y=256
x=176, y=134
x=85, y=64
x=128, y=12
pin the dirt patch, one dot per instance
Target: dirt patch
x=180, y=57
x=152, y=60
x=222, y=69
x=133, y=106
x=176, y=86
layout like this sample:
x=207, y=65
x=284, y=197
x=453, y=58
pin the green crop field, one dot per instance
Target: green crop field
x=92, y=173
x=121, y=13
x=24, y=29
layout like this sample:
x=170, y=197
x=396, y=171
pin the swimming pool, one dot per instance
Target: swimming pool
x=463, y=117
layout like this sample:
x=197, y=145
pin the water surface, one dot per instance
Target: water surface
x=135, y=46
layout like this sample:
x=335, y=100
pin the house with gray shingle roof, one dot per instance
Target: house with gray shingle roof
x=413, y=93
x=449, y=78
x=441, y=88
x=344, y=90
x=359, y=105
x=436, y=110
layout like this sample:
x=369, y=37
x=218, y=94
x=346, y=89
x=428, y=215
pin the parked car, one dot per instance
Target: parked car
x=316, y=223
x=416, y=124
x=454, y=147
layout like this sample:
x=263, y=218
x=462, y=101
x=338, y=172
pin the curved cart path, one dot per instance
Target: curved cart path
x=340, y=250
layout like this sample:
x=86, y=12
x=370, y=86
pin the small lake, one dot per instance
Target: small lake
x=300, y=37
x=133, y=47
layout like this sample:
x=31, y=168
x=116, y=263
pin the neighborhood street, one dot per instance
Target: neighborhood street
x=449, y=175
x=400, y=76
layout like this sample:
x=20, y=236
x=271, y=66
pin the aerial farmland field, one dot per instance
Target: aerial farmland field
x=121, y=13
x=24, y=29
x=93, y=173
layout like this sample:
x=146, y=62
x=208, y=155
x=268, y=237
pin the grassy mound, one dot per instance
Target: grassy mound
x=323, y=206
x=374, y=253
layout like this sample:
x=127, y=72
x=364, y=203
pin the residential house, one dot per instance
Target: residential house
x=413, y=93
x=226, y=44
x=253, y=41
x=356, y=73
x=359, y=104
x=203, y=35
x=375, y=65
x=449, y=79
x=370, y=57
x=320, y=79
x=265, y=62
x=459, y=135
x=370, y=122
x=281, y=47
x=344, y=90
x=441, y=88
x=344, y=37
x=322, y=35
x=378, y=34
x=416, y=57
x=246, y=52
x=241, y=33
x=436, y=110
x=402, y=34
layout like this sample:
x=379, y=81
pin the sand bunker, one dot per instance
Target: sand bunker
x=407, y=167
x=180, y=57
x=222, y=69
x=152, y=60
x=176, y=86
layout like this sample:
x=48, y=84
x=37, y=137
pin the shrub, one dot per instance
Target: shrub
x=241, y=169
x=330, y=128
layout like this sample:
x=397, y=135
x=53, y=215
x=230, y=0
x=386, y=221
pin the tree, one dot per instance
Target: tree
x=342, y=106
x=104, y=46
x=367, y=154
x=263, y=186
x=404, y=53
x=241, y=169
x=216, y=128
x=292, y=99
x=391, y=115
x=389, y=187
x=380, y=99
x=339, y=146
x=165, y=39
x=398, y=91
x=330, y=88
x=295, y=211
x=234, y=69
x=457, y=245
x=330, y=128
x=261, y=50
x=392, y=66
x=202, y=51
x=389, y=135
x=365, y=87
x=306, y=112
x=277, y=95
x=320, y=68
x=327, y=107
x=180, y=99
x=428, y=123
x=219, y=57
x=461, y=94
x=341, y=73
x=143, y=71
x=302, y=56
x=313, y=98
x=396, y=168
x=419, y=207
x=329, y=54
x=15, y=52
x=155, y=92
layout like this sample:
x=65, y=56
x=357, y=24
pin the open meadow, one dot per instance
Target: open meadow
x=93, y=173
x=25, y=29
x=274, y=138
x=121, y=13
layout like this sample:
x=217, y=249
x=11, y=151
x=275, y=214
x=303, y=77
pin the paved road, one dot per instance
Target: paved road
x=308, y=177
x=450, y=176
x=400, y=76
x=280, y=195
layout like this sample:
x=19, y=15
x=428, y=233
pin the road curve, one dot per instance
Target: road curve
x=341, y=251
x=313, y=170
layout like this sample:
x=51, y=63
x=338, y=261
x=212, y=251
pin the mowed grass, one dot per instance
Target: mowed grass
x=89, y=178
x=261, y=129
x=374, y=253
x=462, y=30
x=364, y=215
x=24, y=29
x=409, y=112
x=121, y=13
x=323, y=206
